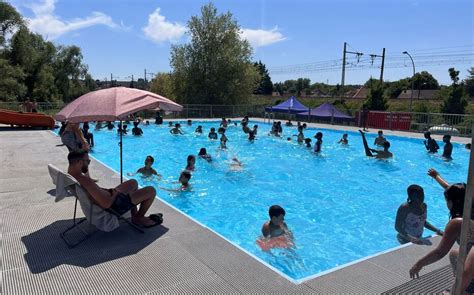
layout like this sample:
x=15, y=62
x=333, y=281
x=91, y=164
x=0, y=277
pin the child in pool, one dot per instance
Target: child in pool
x=176, y=129
x=147, y=170
x=411, y=217
x=191, y=161
x=344, y=139
x=212, y=133
x=276, y=226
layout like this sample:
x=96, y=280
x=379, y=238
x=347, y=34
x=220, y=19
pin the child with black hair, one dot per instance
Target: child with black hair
x=147, y=170
x=204, y=155
x=344, y=139
x=137, y=131
x=184, y=178
x=411, y=217
x=122, y=130
x=276, y=226
x=223, y=138
x=251, y=136
x=430, y=144
x=198, y=130
x=448, y=147
x=176, y=130
x=307, y=142
x=212, y=133
x=300, y=137
x=191, y=161
x=319, y=142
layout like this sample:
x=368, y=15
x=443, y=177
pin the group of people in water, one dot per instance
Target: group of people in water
x=411, y=217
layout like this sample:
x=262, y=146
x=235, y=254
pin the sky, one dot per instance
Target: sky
x=297, y=38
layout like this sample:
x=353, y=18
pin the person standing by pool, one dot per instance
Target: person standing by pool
x=176, y=130
x=379, y=140
x=448, y=147
x=190, y=162
x=212, y=134
x=430, y=144
x=384, y=154
x=364, y=117
x=73, y=138
x=319, y=142
x=87, y=135
x=411, y=217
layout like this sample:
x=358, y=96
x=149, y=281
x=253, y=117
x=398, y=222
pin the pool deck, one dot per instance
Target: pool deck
x=180, y=256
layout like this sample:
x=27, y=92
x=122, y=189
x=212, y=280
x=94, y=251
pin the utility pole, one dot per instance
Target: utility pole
x=383, y=62
x=358, y=54
x=145, y=76
x=373, y=56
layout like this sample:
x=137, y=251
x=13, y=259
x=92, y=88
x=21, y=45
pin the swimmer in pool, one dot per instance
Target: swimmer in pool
x=344, y=139
x=212, y=134
x=276, y=226
x=147, y=170
x=384, y=154
x=176, y=130
x=184, y=178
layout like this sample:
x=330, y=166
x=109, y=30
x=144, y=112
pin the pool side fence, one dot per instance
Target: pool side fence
x=455, y=124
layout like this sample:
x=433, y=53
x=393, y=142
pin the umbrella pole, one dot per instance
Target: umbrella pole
x=121, y=158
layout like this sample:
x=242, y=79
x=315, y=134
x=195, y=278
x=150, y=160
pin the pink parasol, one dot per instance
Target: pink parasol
x=114, y=104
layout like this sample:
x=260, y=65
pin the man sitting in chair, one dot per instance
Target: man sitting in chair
x=121, y=199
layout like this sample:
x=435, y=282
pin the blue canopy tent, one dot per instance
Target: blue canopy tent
x=326, y=111
x=290, y=106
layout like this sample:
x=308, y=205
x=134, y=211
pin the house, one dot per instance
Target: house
x=361, y=93
x=419, y=94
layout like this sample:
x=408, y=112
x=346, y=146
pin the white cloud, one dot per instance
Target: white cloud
x=46, y=23
x=159, y=30
x=260, y=38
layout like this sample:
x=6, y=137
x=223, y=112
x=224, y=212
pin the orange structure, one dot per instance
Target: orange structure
x=26, y=119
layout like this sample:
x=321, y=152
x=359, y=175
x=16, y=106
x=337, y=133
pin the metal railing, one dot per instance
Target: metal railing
x=416, y=122
x=49, y=108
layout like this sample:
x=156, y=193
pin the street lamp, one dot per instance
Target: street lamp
x=412, y=79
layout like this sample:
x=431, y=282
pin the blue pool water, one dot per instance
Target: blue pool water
x=340, y=205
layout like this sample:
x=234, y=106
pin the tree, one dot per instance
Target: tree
x=10, y=20
x=279, y=88
x=11, y=86
x=393, y=89
x=215, y=67
x=375, y=99
x=162, y=84
x=265, y=85
x=424, y=80
x=456, y=99
x=68, y=71
x=469, y=82
x=301, y=84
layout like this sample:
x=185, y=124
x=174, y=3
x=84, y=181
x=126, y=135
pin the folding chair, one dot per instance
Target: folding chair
x=102, y=219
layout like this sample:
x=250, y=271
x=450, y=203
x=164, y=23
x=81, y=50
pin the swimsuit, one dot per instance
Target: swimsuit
x=122, y=203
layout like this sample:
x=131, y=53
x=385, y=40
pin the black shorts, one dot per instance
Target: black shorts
x=122, y=203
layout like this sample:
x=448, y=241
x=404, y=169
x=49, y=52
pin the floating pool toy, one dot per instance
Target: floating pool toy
x=282, y=241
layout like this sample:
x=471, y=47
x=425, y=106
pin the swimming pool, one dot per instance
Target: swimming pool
x=340, y=205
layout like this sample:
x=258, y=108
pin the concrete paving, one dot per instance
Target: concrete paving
x=178, y=257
